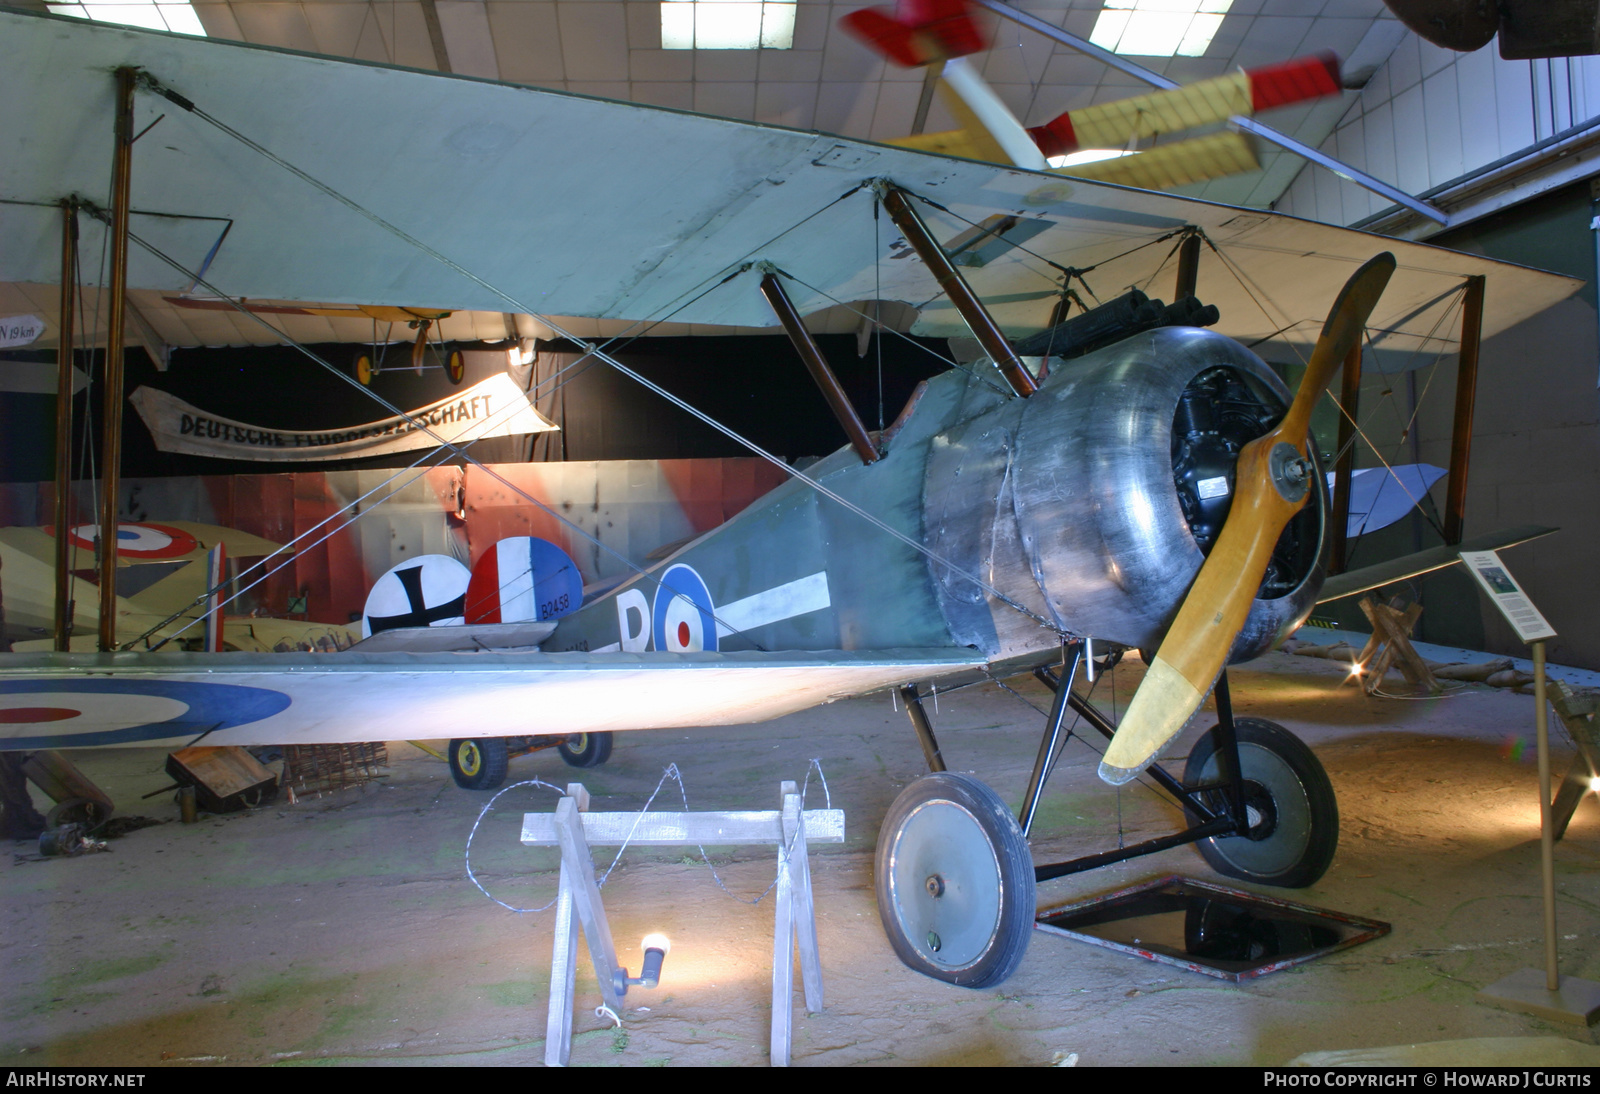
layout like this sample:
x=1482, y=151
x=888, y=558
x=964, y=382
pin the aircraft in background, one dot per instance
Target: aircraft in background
x=1142, y=483
x=168, y=606
x=421, y=320
x=920, y=33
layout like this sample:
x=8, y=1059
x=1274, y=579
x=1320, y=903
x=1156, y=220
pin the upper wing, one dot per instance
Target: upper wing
x=51, y=700
x=556, y=204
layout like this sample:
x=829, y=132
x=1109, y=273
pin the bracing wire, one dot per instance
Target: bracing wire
x=548, y=321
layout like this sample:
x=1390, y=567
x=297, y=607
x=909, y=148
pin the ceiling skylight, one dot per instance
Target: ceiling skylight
x=727, y=24
x=178, y=17
x=1159, y=28
x=1087, y=155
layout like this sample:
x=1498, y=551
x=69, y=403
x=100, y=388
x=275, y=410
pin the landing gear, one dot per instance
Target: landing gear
x=479, y=763
x=955, y=881
x=586, y=749
x=1291, y=815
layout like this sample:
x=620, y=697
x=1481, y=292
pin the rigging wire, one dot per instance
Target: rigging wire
x=1252, y=290
x=926, y=349
x=289, y=556
x=151, y=83
x=1360, y=433
x=420, y=426
x=238, y=305
x=1069, y=271
x=528, y=497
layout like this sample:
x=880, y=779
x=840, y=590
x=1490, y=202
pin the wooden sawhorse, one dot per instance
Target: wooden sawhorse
x=575, y=830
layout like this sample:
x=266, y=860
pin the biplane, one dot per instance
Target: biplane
x=1140, y=483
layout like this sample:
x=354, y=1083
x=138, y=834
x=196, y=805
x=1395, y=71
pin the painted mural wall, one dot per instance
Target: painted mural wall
x=351, y=526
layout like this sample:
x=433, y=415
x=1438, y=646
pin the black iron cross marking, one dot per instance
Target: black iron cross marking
x=420, y=614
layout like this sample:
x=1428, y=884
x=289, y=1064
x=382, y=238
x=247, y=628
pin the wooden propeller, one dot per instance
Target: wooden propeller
x=1272, y=481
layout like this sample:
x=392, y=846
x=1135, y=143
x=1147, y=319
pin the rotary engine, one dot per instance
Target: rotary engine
x=1097, y=499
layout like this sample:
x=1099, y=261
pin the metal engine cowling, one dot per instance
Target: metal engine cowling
x=1099, y=519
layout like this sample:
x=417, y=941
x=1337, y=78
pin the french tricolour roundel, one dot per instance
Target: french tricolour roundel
x=145, y=541
x=682, y=611
x=426, y=591
x=522, y=579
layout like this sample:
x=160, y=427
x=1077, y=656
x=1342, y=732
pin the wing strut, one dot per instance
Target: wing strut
x=66, y=321
x=955, y=287
x=111, y=448
x=817, y=365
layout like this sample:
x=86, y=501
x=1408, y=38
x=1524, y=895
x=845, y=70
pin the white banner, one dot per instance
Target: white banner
x=20, y=330
x=495, y=408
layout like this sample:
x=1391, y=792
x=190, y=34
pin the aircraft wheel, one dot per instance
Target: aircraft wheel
x=586, y=749
x=364, y=369
x=84, y=811
x=1294, y=817
x=955, y=881
x=455, y=366
x=479, y=763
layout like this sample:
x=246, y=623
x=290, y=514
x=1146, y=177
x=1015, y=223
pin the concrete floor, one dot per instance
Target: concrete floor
x=344, y=930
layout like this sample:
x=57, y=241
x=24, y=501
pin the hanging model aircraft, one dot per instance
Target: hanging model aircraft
x=1156, y=491
x=923, y=33
x=421, y=320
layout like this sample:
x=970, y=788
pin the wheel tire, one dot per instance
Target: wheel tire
x=955, y=881
x=83, y=811
x=364, y=370
x=479, y=763
x=455, y=367
x=586, y=749
x=1293, y=811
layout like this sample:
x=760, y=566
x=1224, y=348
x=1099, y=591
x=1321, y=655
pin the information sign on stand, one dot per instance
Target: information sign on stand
x=1548, y=994
x=1507, y=595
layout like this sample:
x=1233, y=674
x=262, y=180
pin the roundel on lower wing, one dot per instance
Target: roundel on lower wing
x=58, y=712
x=149, y=542
x=522, y=579
x=426, y=591
x=683, y=612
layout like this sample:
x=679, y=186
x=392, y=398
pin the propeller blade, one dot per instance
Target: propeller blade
x=1272, y=481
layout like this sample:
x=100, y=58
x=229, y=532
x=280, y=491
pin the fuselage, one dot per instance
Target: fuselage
x=1058, y=514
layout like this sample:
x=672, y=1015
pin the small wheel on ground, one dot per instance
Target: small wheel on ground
x=479, y=763
x=84, y=811
x=955, y=881
x=586, y=749
x=1289, y=804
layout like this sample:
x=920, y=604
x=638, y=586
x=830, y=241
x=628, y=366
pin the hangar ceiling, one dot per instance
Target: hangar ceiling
x=828, y=81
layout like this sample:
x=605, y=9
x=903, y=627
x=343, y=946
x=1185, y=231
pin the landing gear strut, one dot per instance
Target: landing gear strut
x=955, y=880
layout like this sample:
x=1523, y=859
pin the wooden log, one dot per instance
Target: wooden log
x=1391, y=629
x=1475, y=674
